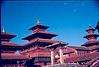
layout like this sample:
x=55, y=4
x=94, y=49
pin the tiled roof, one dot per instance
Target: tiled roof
x=6, y=33
x=47, y=33
x=94, y=48
x=79, y=48
x=33, y=35
x=57, y=44
x=37, y=51
x=90, y=42
x=33, y=49
x=39, y=26
x=89, y=35
x=12, y=56
x=84, y=57
x=9, y=43
x=71, y=49
x=41, y=40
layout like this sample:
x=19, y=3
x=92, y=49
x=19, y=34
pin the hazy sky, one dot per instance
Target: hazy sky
x=68, y=19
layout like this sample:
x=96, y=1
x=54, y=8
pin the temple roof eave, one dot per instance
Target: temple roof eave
x=10, y=44
x=90, y=29
x=41, y=40
x=79, y=48
x=39, y=33
x=55, y=45
x=7, y=35
x=89, y=35
x=90, y=42
x=39, y=26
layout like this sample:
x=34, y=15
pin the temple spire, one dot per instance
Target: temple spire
x=3, y=30
x=90, y=29
x=38, y=22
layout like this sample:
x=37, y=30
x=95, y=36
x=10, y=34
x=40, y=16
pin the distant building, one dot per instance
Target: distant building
x=42, y=50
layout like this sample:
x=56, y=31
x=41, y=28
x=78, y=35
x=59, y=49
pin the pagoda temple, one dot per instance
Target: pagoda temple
x=92, y=43
x=35, y=47
x=9, y=58
x=86, y=52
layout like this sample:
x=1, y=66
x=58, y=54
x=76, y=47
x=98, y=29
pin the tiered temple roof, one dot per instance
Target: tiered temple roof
x=39, y=25
x=6, y=44
x=5, y=40
x=91, y=43
x=6, y=36
x=39, y=40
x=40, y=36
x=91, y=36
x=91, y=33
x=8, y=50
x=39, y=31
